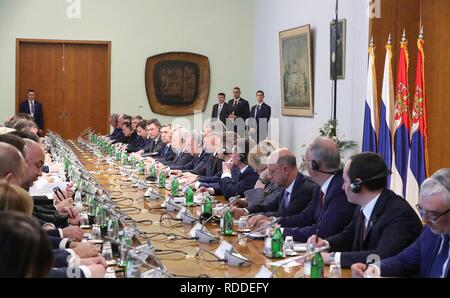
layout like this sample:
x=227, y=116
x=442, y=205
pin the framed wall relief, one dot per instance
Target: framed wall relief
x=177, y=83
x=296, y=72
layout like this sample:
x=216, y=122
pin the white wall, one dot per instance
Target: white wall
x=270, y=18
x=221, y=30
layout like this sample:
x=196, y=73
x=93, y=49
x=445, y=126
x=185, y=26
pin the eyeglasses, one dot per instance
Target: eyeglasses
x=434, y=218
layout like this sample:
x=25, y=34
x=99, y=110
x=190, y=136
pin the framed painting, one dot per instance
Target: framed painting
x=296, y=72
x=177, y=83
x=337, y=49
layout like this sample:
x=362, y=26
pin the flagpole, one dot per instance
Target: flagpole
x=336, y=31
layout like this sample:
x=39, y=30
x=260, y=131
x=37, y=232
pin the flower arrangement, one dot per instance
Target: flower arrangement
x=329, y=129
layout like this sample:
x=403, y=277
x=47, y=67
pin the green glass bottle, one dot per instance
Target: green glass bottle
x=92, y=205
x=124, y=159
x=227, y=222
x=141, y=167
x=189, y=197
x=113, y=228
x=162, y=180
x=133, y=162
x=152, y=171
x=277, y=244
x=317, y=265
x=174, y=187
x=207, y=206
x=99, y=216
x=118, y=155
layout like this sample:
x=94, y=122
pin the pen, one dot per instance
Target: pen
x=317, y=236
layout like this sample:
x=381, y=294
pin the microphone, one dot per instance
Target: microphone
x=203, y=235
x=146, y=251
x=233, y=258
x=87, y=130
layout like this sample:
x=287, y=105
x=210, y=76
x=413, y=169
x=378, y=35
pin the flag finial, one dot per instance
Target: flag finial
x=421, y=33
x=372, y=43
x=404, y=36
x=389, y=42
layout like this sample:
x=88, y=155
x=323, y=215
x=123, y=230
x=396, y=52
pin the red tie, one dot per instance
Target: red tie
x=321, y=197
x=362, y=227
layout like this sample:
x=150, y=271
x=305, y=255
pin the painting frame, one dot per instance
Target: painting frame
x=296, y=72
x=339, y=57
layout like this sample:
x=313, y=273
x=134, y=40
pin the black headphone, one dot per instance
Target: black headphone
x=315, y=165
x=442, y=181
x=356, y=185
x=242, y=157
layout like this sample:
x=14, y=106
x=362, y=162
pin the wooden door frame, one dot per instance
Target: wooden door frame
x=63, y=41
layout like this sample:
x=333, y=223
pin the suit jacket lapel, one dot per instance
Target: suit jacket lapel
x=378, y=208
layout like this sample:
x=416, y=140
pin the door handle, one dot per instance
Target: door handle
x=60, y=115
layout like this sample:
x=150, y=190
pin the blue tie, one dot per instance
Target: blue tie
x=437, y=270
x=286, y=198
x=165, y=150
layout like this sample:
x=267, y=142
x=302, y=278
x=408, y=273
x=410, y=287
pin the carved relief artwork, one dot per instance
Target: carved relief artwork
x=177, y=83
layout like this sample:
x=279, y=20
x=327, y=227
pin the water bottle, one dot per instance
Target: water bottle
x=277, y=243
x=189, y=197
x=174, y=187
x=162, y=179
x=110, y=273
x=227, y=223
x=317, y=265
x=268, y=243
x=133, y=266
x=141, y=167
x=308, y=260
x=207, y=206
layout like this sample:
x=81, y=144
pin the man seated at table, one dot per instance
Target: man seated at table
x=329, y=212
x=384, y=224
x=298, y=189
x=428, y=256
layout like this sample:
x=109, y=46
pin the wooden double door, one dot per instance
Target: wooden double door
x=71, y=80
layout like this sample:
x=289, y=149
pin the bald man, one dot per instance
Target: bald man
x=12, y=164
x=329, y=212
x=298, y=189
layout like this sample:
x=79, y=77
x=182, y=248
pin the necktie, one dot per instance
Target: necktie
x=257, y=110
x=219, y=110
x=32, y=107
x=362, y=227
x=321, y=197
x=166, y=148
x=234, y=104
x=438, y=270
x=286, y=198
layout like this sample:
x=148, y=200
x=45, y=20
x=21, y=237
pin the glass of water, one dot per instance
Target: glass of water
x=84, y=219
x=335, y=271
x=96, y=233
x=107, y=251
x=288, y=246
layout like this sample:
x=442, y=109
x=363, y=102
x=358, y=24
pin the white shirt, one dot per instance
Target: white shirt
x=229, y=174
x=31, y=103
x=219, y=109
x=324, y=187
x=289, y=189
x=367, y=210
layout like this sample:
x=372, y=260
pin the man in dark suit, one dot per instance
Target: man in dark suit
x=259, y=118
x=238, y=112
x=428, y=256
x=384, y=224
x=298, y=189
x=33, y=108
x=220, y=109
x=197, y=165
x=154, y=134
x=329, y=211
x=166, y=154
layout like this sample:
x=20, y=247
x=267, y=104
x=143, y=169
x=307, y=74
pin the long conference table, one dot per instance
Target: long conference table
x=181, y=257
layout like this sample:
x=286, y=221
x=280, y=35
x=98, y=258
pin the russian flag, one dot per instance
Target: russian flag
x=401, y=123
x=387, y=110
x=418, y=156
x=369, y=142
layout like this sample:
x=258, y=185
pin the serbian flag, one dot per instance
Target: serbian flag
x=369, y=142
x=418, y=156
x=387, y=110
x=401, y=123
